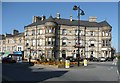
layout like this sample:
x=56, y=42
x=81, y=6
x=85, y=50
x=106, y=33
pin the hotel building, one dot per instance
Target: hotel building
x=58, y=37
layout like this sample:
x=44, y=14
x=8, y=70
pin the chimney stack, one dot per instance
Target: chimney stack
x=36, y=18
x=43, y=17
x=15, y=32
x=58, y=16
x=70, y=18
x=92, y=19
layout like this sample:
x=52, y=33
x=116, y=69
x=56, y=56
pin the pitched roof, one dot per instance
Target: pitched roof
x=105, y=23
x=67, y=22
x=50, y=19
x=10, y=35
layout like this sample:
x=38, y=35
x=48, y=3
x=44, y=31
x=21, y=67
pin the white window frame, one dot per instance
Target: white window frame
x=33, y=42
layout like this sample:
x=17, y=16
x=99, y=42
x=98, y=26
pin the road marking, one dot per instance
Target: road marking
x=117, y=72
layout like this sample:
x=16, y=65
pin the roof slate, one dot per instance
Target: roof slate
x=10, y=35
x=67, y=22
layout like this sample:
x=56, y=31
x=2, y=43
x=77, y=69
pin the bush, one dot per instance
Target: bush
x=118, y=57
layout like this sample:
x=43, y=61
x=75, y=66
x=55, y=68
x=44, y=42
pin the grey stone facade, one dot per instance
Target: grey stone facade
x=57, y=37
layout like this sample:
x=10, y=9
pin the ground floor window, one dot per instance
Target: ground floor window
x=64, y=54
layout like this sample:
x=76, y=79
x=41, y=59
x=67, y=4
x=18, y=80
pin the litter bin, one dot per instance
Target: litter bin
x=67, y=64
x=85, y=62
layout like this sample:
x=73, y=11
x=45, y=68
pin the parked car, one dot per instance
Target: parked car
x=71, y=59
x=108, y=59
x=102, y=59
x=8, y=60
x=94, y=59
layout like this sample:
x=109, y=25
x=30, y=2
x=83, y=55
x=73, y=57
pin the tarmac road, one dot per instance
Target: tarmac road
x=95, y=71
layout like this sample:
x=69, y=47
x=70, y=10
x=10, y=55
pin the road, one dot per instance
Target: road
x=95, y=71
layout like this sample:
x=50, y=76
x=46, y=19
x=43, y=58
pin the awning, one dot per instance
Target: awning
x=5, y=55
x=19, y=52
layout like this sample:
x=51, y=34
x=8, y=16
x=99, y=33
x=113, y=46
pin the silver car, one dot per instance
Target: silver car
x=102, y=59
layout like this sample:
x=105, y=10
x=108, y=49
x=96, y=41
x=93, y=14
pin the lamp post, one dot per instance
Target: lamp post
x=29, y=55
x=78, y=44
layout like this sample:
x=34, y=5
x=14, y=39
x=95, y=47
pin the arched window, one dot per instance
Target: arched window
x=64, y=32
x=64, y=41
x=64, y=54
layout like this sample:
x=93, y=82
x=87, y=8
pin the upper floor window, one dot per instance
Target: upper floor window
x=8, y=47
x=8, y=41
x=76, y=41
x=91, y=33
x=40, y=31
x=82, y=32
x=33, y=42
x=20, y=40
x=106, y=33
x=103, y=42
x=40, y=42
x=64, y=32
x=103, y=33
x=50, y=30
x=26, y=33
x=107, y=42
x=27, y=42
x=49, y=41
x=92, y=43
x=33, y=32
x=76, y=32
x=14, y=41
x=19, y=49
x=3, y=42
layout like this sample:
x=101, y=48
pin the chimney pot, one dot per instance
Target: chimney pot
x=58, y=16
x=70, y=18
x=43, y=17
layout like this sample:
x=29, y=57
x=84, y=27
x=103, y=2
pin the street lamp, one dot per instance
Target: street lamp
x=79, y=13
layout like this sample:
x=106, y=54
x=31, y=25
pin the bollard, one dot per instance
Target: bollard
x=67, y=64
x=85, y=62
